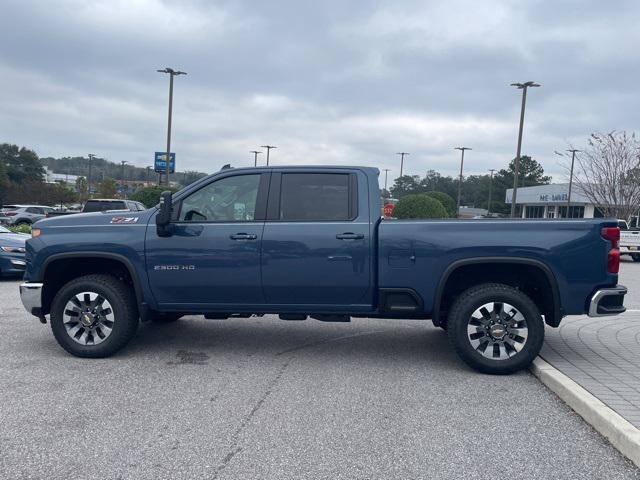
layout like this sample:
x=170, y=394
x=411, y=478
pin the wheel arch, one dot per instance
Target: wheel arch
x=78, y=264
x=501, y=270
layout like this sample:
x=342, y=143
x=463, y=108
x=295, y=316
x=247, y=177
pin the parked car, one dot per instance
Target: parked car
x=12, y=246
x=103, y=205
x=23, y=214
x=309, y=242
x=629, y=241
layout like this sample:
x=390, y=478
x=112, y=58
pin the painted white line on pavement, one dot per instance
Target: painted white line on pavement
x=622, y=434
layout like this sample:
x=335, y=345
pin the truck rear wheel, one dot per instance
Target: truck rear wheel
x=94, y=316
x=495, y=328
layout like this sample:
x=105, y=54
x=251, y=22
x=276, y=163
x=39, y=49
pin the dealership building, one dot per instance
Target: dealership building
x=550, y=201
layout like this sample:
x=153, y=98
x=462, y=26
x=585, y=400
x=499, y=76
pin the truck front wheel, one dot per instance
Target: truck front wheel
x=94, y=316
x=495, y=328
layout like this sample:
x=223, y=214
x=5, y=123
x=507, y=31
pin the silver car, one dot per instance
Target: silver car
x=23, y=214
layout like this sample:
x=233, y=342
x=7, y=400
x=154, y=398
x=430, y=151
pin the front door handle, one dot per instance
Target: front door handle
x=350, y=236
x=243, y=236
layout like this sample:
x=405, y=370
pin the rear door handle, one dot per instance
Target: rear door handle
x=243, y=236
x=350, y=236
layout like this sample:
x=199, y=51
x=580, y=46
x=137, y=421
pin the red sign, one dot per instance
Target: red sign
x=388, y=209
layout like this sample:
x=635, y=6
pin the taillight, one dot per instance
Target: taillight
x=613, y=259
x=10, y=214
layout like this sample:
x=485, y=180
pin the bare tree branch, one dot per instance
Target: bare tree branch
x=607, y=172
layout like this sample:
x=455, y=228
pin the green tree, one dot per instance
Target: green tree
x=82, y=187
x=4, y=182
x=405, y=185
x=530, y=173
x=149, y=196
x=419, y=206
x=107, y=188
x=447, y=202
x=22, y=164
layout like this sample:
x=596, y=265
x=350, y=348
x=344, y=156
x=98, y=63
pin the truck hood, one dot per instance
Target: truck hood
x=97, y=218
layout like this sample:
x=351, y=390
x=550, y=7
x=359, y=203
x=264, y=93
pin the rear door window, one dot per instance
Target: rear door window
x=317, y=197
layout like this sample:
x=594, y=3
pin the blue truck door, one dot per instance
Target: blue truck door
x=316, y=241
x=212, y=257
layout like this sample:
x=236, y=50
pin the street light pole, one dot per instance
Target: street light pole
x=386, y=173
x=402, y=154
x=490, y=189
x=172, y=73
x=123, y=162
x=255, y=157
x=462, y=149
x=268, y=147
x=523, y=87
x=573, y=159
x=91, y=156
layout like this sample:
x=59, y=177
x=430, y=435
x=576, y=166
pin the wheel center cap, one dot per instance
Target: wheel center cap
x=497, y=331
x=87, y=319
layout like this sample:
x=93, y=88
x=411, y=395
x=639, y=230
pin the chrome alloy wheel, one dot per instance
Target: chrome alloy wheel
x=497, y=330
x=88, y=318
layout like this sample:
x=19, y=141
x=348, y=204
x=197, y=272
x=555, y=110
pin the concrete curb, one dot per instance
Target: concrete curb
x=622, y=434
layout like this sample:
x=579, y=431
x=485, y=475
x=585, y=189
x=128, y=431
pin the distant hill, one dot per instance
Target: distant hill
x=100, y=167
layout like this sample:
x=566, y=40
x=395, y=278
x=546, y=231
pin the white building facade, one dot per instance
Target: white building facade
x=551, y=201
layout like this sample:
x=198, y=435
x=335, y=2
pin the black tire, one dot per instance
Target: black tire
x=635, y=257
x=125, y=315
x=460, y=317
x=158, y=317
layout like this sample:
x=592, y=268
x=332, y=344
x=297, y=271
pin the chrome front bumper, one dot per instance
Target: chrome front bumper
x=31, y=296
x=607, y=301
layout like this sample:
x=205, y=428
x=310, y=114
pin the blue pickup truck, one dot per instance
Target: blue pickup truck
x=310, y=242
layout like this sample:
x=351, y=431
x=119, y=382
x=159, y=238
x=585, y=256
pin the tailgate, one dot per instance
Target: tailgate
x=630, y=239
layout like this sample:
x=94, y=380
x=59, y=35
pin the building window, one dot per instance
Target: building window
x=534, y=211
x=574, y=212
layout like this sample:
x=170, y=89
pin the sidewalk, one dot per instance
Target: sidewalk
x=603, y=356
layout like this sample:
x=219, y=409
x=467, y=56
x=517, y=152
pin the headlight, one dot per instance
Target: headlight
x=12, y=249
x=35, y=232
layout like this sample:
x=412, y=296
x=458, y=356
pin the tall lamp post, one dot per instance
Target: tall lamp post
x=172, y=73
x=402, y=154
x=573, y=159
x=523, y=87
x=462, y=149
x=490, y=189
x=386, y=174
x=255, y=157
x=268, y=147
x=123, y=163
x=91, y=156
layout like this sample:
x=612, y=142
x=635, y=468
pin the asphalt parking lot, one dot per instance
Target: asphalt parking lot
x=265, y=398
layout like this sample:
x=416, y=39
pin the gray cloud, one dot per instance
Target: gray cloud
x=328, y=82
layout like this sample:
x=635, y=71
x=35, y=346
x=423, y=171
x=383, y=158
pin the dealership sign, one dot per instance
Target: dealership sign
x=160, y=163
x=554, y=197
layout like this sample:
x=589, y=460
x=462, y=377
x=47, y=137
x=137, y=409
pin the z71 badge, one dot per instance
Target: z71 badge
x=121, y=220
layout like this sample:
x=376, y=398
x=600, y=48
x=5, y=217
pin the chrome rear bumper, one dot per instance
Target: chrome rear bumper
x=607, y=301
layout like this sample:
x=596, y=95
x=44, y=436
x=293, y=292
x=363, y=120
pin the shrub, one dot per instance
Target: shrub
x=22, y=228
x=150, y=196
x=447, y=202
x=419, y=206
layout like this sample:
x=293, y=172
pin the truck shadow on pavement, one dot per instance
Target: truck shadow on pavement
x=192, y=341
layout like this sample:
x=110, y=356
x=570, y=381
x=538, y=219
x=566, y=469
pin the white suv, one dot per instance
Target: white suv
x=23, y=214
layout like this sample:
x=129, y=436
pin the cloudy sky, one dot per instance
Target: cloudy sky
x=328, y=82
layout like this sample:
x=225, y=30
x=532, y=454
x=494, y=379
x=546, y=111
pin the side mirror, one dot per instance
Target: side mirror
x=163, y=218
